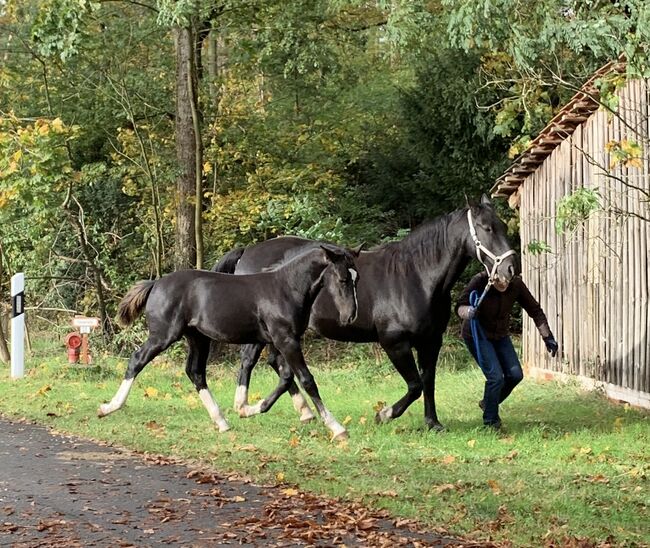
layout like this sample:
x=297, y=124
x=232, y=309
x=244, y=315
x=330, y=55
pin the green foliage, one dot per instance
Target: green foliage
x=537, y=247
x=574, y=210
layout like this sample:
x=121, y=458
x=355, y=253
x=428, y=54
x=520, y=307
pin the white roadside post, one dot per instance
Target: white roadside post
x=18, y=325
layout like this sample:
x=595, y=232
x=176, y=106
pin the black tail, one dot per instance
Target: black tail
x=228, y=262
x=133, y=303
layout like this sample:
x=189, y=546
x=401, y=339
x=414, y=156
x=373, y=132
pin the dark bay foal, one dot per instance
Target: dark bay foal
x=271, y=307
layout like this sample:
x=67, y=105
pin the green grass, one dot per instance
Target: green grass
x=572, y=464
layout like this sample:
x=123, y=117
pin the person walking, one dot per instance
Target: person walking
x=493, y=349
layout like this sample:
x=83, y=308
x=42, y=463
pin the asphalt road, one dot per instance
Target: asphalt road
x=57, y=490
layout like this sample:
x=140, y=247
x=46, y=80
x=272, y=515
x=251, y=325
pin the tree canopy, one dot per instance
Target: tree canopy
x=334, y=119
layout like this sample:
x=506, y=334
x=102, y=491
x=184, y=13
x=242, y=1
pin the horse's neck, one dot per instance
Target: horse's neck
x=305, y=275
x=439, y=257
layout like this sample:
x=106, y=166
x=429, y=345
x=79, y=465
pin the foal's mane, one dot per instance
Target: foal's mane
x=429, y=242
x=290, y=256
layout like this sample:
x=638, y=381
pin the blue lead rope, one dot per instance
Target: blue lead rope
x=475, y=326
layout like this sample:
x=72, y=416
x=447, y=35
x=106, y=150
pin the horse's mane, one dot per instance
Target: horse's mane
x=290, y=256
x=426, y=243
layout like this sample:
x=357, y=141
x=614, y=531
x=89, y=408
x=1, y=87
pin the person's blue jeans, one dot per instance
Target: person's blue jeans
x=502, y=370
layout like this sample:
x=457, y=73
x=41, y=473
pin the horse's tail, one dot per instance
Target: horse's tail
x=228, y=262
x=132, y=305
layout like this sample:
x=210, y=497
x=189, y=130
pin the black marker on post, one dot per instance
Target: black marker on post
x=18, y=325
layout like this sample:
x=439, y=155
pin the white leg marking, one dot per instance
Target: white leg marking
x=386, y=414
x=301, y=405
x=118, y=399
x=241, y=397
x=213, y=409
x=338, y=431
x=250, y=410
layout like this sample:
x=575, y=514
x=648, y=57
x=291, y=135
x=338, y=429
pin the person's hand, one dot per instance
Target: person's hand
x=467, y=312
x=551, y=345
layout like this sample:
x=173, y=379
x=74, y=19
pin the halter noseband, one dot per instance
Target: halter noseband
x=480, y=248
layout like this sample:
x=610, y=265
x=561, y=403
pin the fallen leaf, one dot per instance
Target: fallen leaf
x=471, y=443
x=279, y=477
x=150, y=392
x=289, y=492
x=448, y=459
x=494, y=485
x=362, y=420
x=294, y=441
x=238, y=498
x=379, y=406
x=43, y=389
x=347, y=420
x=445, y=487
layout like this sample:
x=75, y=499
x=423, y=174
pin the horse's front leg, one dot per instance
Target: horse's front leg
x=197, y=359
x=401, y=356
x=299, y=402
x=292, y=353
x=428, y=359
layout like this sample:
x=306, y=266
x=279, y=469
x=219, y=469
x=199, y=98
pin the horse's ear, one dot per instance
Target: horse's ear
x=470, y=202
x=485, y=200
x=332, y=253
x=358, y=249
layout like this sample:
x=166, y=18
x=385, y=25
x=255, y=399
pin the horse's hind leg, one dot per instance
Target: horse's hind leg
x=427, y=359
x=197, y=359
x=141, y=357
x=249, y=355
x=286, y=383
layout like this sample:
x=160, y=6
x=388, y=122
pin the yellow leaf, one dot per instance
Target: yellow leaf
x=494, y=485
x=57, y=125
x=237, y=498
x=379, y=406
x=43, y=389
x=362, y=420
x=207, y=168
x=150, y=392
x=294, y=441
x=347, y=420
x=279, y=477
x=290, y=492
x=585, y=450
x=471, y=443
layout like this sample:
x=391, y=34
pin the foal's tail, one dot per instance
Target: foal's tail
x=228, y=262
x=132, y=305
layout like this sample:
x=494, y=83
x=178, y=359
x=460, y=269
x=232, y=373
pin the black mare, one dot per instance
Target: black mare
x=266, y=308
x=404, y=297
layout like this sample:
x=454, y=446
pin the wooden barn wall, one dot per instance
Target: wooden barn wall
x=594, y=283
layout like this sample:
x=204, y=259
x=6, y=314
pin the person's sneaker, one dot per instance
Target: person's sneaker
x=481, y=404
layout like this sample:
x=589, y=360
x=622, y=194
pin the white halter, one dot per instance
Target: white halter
x=480, y=248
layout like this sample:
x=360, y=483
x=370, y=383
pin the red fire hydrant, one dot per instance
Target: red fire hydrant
x=73, y=344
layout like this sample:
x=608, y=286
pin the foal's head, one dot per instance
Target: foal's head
x=340, y=279
x=489, y=242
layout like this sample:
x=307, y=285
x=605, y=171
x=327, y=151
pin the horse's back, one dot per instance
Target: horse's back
x=272, y=252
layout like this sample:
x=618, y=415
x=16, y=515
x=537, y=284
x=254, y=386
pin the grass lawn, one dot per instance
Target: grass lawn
x=572, y=465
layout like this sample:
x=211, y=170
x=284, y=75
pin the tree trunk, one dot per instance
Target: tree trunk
x=186, y=150
x=4, y=350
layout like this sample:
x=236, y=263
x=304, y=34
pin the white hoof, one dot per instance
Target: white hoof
x=341, y=435
x=223, y=426
x=385, y=415
x=250, y=410
x=103, y=410
x=307, y=416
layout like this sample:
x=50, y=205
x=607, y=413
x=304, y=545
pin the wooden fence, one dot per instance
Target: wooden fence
x=594, y=283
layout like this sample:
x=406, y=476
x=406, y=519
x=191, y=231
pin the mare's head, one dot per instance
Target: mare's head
x=488, y=242
x=340, y=279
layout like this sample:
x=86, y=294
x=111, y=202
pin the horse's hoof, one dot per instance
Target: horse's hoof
x=436, y=426
x=341, y=436
x=307, y=418
x=384, y=415
x=100, y=412
x=250, y=410
x=223, y=427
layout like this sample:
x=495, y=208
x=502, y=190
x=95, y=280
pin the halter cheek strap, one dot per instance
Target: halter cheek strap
x=480, y=248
